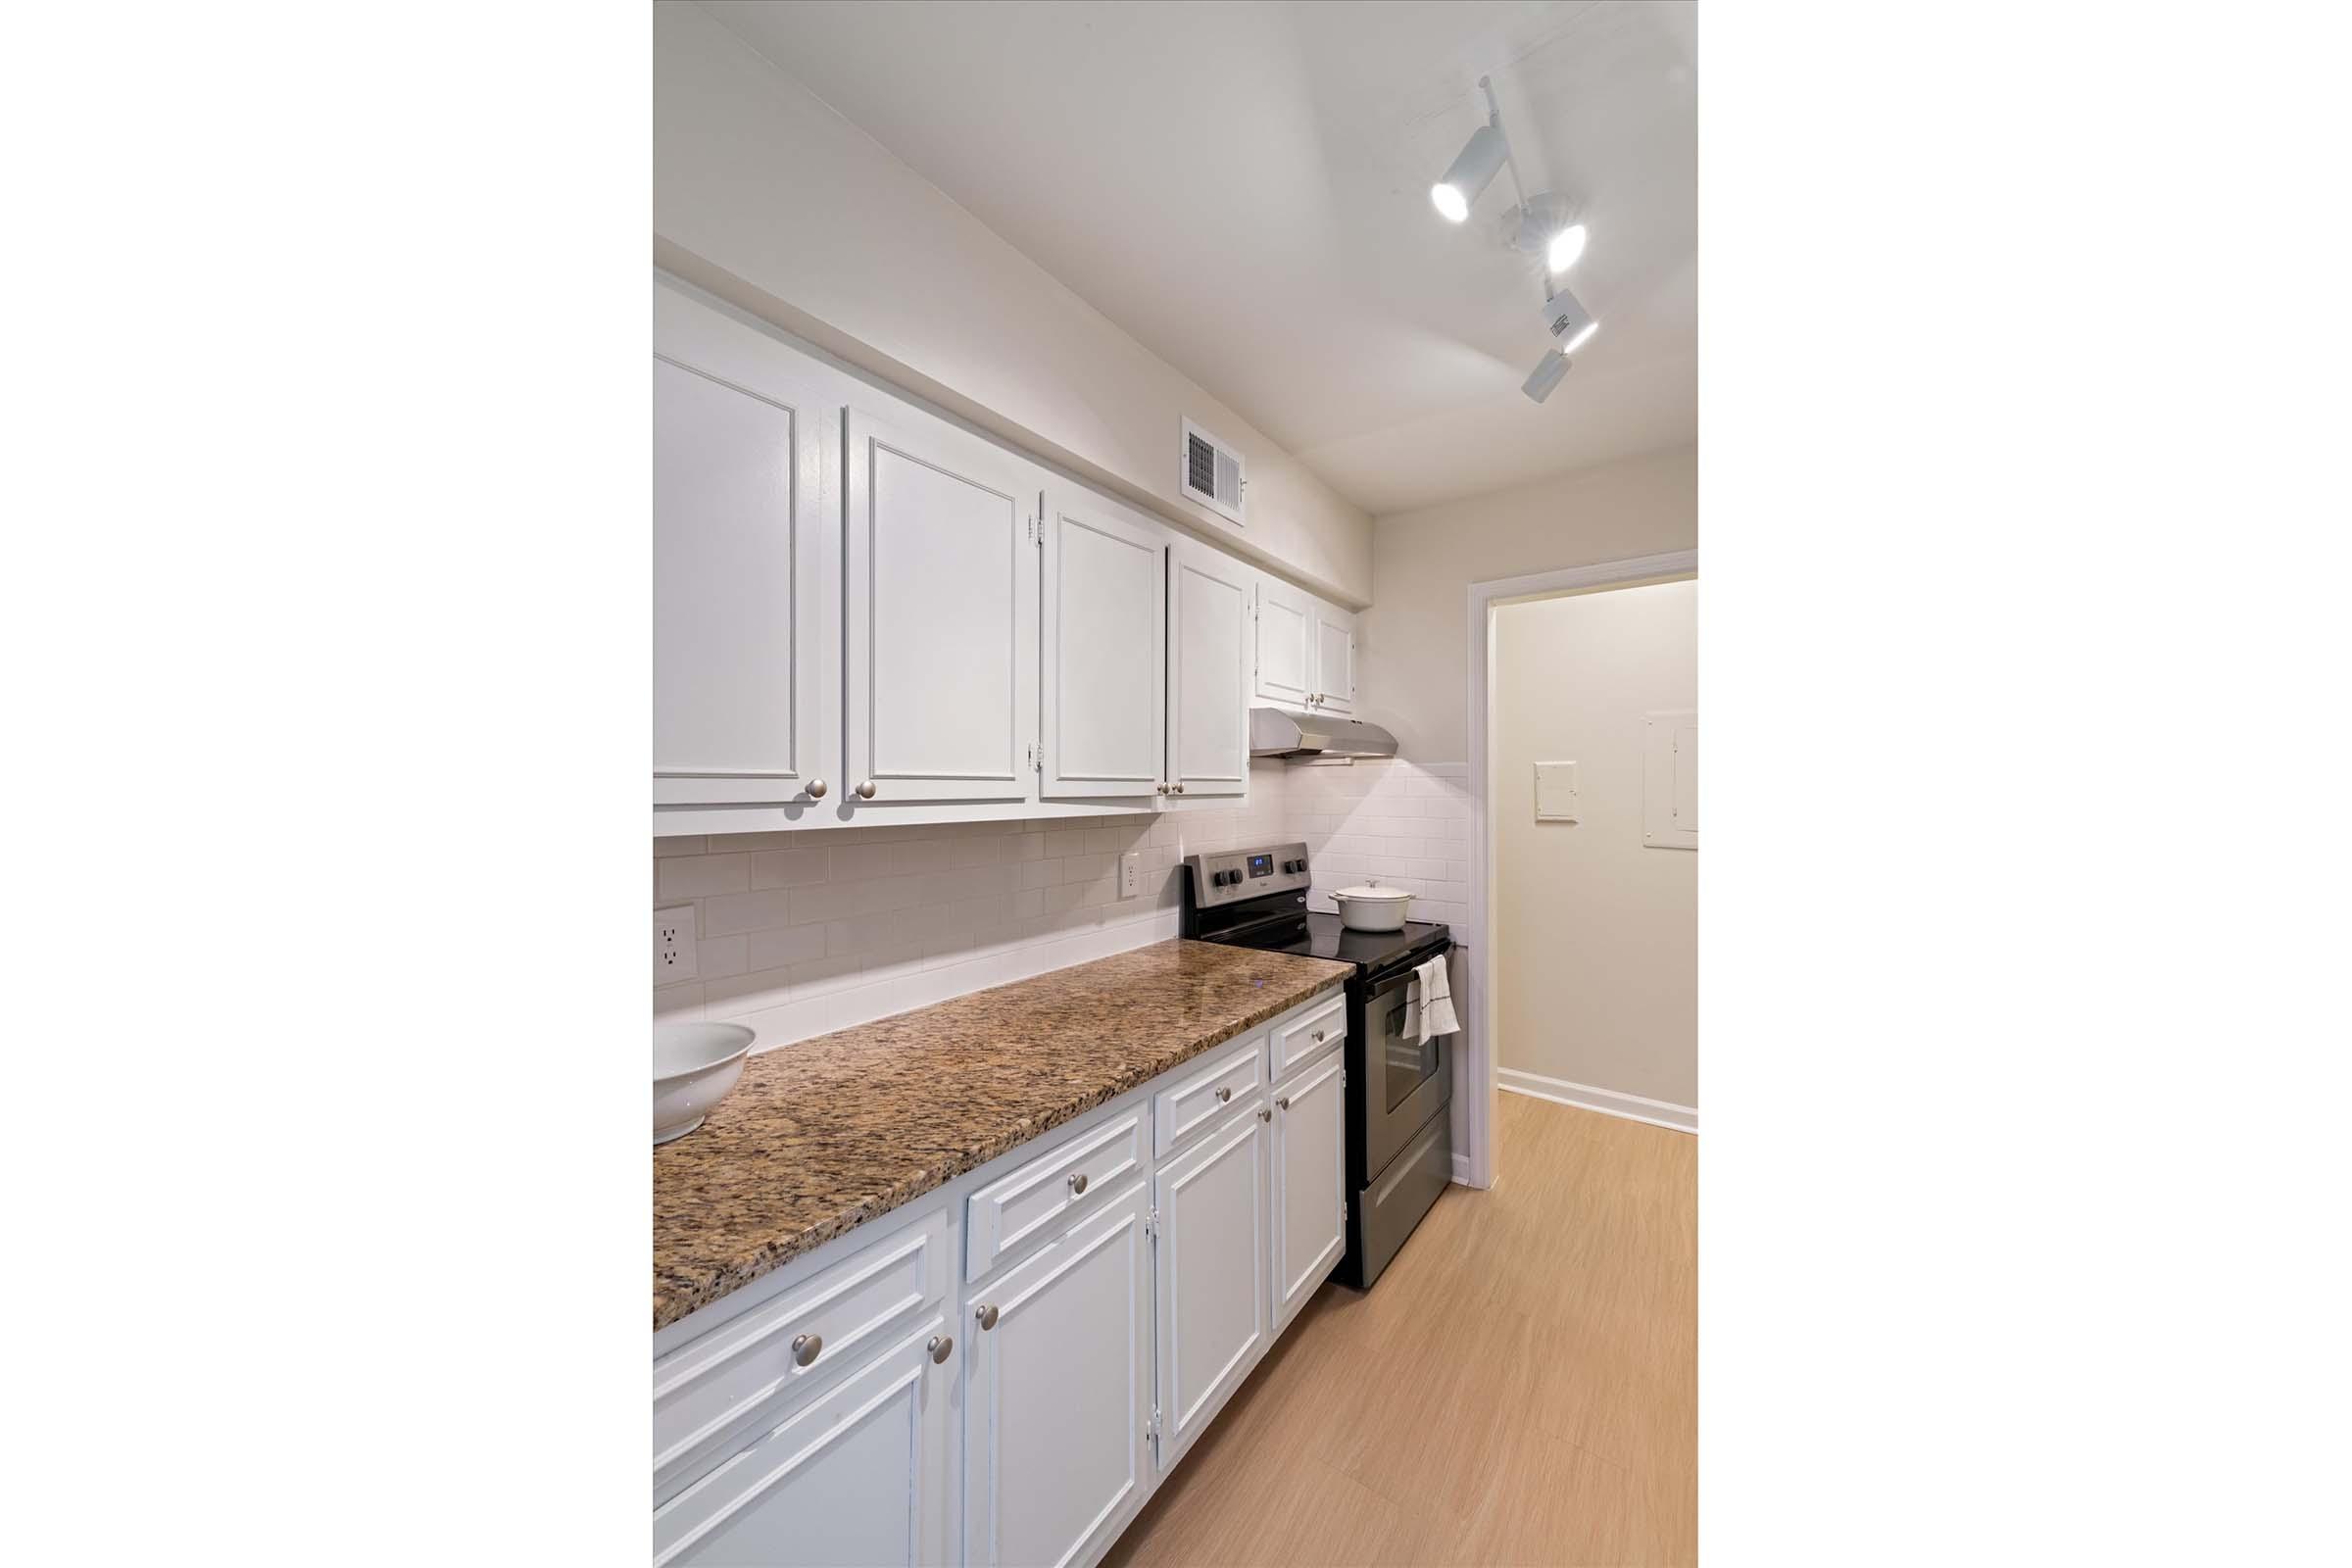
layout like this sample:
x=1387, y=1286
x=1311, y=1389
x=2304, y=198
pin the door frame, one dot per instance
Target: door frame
x=1480, y=1064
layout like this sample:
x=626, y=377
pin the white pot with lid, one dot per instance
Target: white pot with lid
x=1371, y=908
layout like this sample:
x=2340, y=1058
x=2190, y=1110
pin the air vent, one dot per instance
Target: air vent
x=1212, y=472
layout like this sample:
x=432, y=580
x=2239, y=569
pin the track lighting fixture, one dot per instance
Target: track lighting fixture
x=1562, y=249
x=1568, y=321
x=1550, y=370
x=1482, y=157
x=1544, y=225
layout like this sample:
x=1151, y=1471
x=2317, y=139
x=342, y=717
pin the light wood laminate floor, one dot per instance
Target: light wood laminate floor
x=1520, y=1386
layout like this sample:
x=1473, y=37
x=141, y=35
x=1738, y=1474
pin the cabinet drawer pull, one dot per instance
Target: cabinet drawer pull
x=1077, y=1183
x=1263, y=1114
x=1224, y=1094
x=1318, y=1037
x=865, y=791
x=806, y=1348
x=986, y=1316
x=1284, y=1104
x=942, y=1346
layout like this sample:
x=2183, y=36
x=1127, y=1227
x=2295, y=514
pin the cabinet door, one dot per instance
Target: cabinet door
x=1060, y=1395
x=940, y=656
x=1335, y=660
x=1213, y=1295
x=1105, y=649
x=1310, y=1169
x=1209, y=672
x=745, y=565
x=858, y=1476
x=1286, y=644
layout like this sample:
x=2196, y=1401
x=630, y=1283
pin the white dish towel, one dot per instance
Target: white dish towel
x=1434, y=1015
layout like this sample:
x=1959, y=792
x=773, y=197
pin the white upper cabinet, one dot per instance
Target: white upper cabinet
x=1105, y=649
x=1335, y=659
x=1208, y=670
x=1305, y=650
x=1286, y=644
x=745, y=576
x=940, y=656
x=1061, y=1393
x=1310, y=1168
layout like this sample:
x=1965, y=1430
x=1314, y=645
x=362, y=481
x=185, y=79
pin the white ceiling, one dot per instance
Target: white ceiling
x=1244, y=188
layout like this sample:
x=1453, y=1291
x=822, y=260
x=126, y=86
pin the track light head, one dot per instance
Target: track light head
x=1568, y=321
x=1547, y=225
x=1548, y=372
x=1563, y=248
x=1469, y=175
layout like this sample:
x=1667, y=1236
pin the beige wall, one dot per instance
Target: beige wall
x=1415, y=638
x=1596, y=935
x=767, y=197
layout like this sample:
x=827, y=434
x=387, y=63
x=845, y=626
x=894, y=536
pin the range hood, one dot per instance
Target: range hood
x=1279, y=732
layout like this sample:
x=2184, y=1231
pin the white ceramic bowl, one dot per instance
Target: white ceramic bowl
x=695, y=1064
x=1372, y=909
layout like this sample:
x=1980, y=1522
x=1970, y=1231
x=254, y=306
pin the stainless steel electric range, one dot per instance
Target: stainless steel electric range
x=1399, y=1150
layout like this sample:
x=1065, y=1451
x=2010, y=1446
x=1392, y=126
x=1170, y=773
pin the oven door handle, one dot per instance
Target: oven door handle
x=1405, y=965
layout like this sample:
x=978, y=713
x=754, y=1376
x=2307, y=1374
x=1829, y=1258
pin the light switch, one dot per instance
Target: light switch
x=1557, y=794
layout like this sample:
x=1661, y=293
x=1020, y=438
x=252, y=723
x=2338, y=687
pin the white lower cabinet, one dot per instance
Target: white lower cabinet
x=1124, y=1275
x=862, y=1475
x=1213, y=1257
x=1061, y=1393
x=1310, y=1173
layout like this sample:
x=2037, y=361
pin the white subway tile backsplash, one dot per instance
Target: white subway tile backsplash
x=979, y=851
x=793, y=867
x=715, y=959
x=696, y=876
x=744, y=911
x=857, y=862
x=781, y=948
x=805, y=933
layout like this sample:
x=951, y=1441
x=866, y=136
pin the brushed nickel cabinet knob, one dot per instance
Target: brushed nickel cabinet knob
x=1284, y=1104
x=1077, y=1182
x=1263, y=1114
x=816, y=789
x=942, y=1346
x=1224, y=1095
x=865, y=791
x=806, y=1348
x=986, y=1316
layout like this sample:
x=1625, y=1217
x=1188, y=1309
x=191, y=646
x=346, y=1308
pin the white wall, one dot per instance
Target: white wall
x=1596, y=935
x=799, y=934
x=767, y=197
x=1414, y=641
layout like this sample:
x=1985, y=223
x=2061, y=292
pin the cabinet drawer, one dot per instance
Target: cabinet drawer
x=705, y=1390
x=856, y=1475
x=1059, y=1186
x=1232, y=1074
x=1302, y=1040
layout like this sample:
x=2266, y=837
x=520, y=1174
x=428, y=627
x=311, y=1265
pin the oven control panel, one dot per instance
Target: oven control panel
x=1228, y=876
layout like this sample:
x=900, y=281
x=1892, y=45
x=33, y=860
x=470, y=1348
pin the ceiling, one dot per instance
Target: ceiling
x=1244, y=188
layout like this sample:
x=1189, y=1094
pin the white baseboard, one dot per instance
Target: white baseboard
x=1608, y=1102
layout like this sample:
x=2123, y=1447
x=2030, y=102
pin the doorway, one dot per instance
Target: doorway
x=1579, y=842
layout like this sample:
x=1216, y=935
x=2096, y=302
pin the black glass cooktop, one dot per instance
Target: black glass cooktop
x=1321, y=936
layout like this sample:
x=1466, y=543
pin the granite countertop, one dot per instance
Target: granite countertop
x=825, y=1134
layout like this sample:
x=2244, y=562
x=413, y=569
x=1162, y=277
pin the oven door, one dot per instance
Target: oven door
x=1405, y=1083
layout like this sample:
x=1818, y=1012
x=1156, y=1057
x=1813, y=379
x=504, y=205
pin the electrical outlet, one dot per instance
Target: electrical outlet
x=674, y=944
x=1131, y=873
